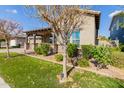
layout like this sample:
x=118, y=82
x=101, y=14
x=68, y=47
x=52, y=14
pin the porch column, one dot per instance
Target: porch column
x=53, y=39
x=34, y=40
x=26, y=45
x=55, y=47
x=41, y=39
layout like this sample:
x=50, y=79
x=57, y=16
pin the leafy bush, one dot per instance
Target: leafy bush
x=42, y=49
x=86, y=50
x=83, y=62
x=59, y=57
x=37, y=50
x=122, y=48
x=102, y=54
x=45, y=48
x=72, y=50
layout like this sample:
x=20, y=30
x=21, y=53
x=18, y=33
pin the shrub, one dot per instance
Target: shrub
x=45, y=48
x=59, y=57
x=86, y=50
x=37, y=50
x=72, y=50
x=102, y=54
x=42, y=49
x=83, y=62
x=122, y=48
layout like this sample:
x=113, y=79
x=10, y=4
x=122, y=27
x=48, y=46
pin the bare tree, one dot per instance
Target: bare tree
x=63, y=19
x=8, y=30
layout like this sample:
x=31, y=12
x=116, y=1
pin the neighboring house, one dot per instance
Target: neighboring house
x=116, y=31
x=103, y=41
x=17, y=41
x=88, y=33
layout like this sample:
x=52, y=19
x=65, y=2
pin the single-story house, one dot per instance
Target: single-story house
x=17, y=41
x=85, y=36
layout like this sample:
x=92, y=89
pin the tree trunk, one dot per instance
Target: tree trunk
x=7, y=47
x=0, y=44
x=65, y=61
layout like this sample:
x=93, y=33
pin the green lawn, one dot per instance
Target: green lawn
x=22, y=72
x=118, y=59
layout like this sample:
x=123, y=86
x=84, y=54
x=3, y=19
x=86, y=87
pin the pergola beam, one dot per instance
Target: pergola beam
x=39, y=32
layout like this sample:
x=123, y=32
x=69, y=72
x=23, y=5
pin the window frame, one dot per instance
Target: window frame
x=74, y=38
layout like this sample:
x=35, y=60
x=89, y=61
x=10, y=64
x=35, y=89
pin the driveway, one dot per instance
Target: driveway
x=17, y=50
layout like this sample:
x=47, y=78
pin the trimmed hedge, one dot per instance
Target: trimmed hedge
x=72, y=50
x=59, y=57
x=42, y=49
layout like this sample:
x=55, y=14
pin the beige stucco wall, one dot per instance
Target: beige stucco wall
x=88, y=31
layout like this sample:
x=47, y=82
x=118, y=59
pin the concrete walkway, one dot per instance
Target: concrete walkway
x=3, y=84
x=112, y=72
x=17, y=50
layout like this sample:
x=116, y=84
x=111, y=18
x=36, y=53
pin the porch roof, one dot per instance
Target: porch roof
x=39, y=32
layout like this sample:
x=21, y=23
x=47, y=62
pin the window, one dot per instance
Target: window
x=76, y=37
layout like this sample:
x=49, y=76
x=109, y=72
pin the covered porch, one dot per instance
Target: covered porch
x=39, y=36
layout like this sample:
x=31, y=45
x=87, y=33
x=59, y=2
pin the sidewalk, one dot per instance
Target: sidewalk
x=3, y=84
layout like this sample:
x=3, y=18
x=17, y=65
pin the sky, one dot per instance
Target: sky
x=18, y=14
